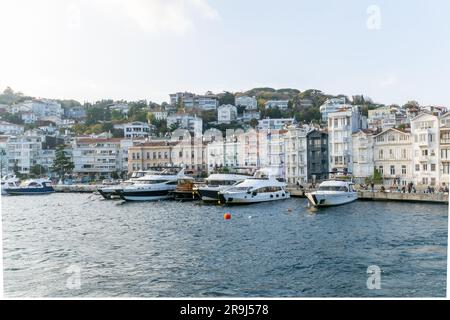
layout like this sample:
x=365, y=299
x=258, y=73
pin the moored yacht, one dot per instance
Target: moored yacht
x=216, y=183
x=263, y=187
x=111, y=192
x=32, y=187
x=156, y=186
x=333, y=193
x=8, y=183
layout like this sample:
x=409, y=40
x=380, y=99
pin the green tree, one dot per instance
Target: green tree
x=62, y=164
x=37, y=170
x=226, y=98
x=253, y=123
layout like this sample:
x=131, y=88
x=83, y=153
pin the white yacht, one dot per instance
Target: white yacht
x=110, y=192
x=156, y=186
x=216, y=183
x=9, y=182
x=263, y=187
x=333, y=193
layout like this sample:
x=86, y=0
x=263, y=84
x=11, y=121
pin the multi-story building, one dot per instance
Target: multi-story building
x=249, y=103
x=341, y=125
x=425, y=129
x=75, y=112
x=248, y=115
x=274, y=124
x=363, y=159
x=147, y=154
x=160, y=115
x=190, y=100
x=280, y=104
x=393, y=157
x=97, y=157
x=7, y=128
x=444, y=159
x=331, y=106
x=296, y=168
x=42, y=108
x=23, y=152
x=189, y=122
x=317, y=155
x=136, y=129
x=28, y=117
x=226, y=114
x=4, y=155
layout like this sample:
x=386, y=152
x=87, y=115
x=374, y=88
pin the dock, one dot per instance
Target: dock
x=407, y=197
x=77, y=188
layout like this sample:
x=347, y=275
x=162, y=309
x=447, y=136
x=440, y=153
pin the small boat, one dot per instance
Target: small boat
x=216, y=183
x=111, y=192
x=185, y=190
x=263, y=187
x=8, y=183
x=32, y=187
x=152, y=187
x=333, y=193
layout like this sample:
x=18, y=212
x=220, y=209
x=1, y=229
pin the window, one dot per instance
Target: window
x=391, y=153
x=380, y=154
x=424, y=180
x=425, y=167
x=424, y=153
x=433, y=181
x=403, y=169
x=381, y=169
x=417, y=167
x=403, y=153
x=393, y=170
x=433, y=167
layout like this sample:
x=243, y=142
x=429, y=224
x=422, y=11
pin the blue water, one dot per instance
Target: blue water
x=170, y=249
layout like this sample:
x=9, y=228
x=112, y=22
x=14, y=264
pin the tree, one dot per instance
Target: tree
x=226, y=98
x=253, y=123
x=62, y=164
x=37, y=170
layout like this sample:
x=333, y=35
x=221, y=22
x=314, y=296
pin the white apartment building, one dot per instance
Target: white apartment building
x=136, y=130
x=444, y=159
x=425, y=129
x=393, y=157
x=97, y=157
x=185, y=121
x=206, y=102
x=23, y=152
x=248, y=115
x=160, y=115
x=10, y=128
x=4, y=155
x=275, y=124
x=331, y=106
x=280, y=104
x=190, y=100
x=28, y=117
x=250, y=103
x=363, y=158
x=296, y=169
x=42, y=108
x=226, y=113
x=341, y=125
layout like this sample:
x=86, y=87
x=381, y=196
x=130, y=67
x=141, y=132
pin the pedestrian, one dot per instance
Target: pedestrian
x=372, y=185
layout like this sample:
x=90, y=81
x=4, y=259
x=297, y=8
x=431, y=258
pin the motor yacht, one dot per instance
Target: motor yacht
x=32, y=187
x=333, y=193
x=216, y=183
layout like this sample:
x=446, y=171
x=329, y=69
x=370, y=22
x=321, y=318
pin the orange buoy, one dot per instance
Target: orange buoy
x=227, y=216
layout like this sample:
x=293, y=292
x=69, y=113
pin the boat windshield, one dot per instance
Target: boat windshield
x=333, y=188
x=220, y=182
x=151, y=181
x=239, y=189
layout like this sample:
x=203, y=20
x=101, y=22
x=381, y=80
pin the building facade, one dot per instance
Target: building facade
x=226, y=114
x=317, y=155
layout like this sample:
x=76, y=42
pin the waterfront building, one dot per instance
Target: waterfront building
x=7, y=128
x=341, y=125
x=226, y=114
x=296, y=154
x=23, y=152
x=331, y=106
x=275, y=124
x=189, y=122
x=393, y=157
x=317, y=155
x=189, y=152
x=425, y=129
x=363, y=157
x=444, y=156
x=280, y=104
x=97, y=157
x=250, y=103
x=136, y=129
x=147, y=154
x=3, y=155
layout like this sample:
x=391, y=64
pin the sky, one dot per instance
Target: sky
x=391, y=51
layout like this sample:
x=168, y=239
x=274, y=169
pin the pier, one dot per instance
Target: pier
x=408, y=197
x=77, y=188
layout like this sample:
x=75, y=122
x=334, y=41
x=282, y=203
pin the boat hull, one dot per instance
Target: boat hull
x=245, y=198
x=109, y=193
x=30, y=191
x=145, y=195
x=209, y=195
x=330, y=200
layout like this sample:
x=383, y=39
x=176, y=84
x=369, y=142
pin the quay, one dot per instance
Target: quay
x=298, y=193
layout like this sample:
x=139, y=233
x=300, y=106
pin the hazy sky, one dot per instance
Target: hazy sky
x=392, y=51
